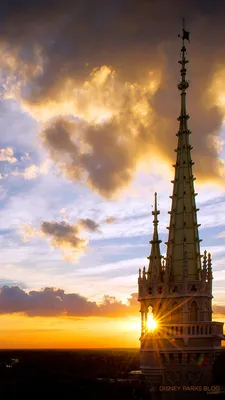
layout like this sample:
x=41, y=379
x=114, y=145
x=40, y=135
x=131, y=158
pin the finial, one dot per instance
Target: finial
x=155, y=212
x=183, y=85
x=155, y=201
x=205, y=258
x=186, y=35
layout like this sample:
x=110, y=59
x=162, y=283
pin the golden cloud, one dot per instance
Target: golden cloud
x=104, y=110
x=65, y=236
x=33, y=171
x=28, y=231
x=105, y=144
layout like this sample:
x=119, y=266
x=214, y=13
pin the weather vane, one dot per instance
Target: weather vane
x=186, y=35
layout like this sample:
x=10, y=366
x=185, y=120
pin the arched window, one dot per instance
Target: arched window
x=193, y=311
x=151, y=321
x=150, y=314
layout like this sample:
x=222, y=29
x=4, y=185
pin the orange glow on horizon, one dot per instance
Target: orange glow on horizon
x=22, y=332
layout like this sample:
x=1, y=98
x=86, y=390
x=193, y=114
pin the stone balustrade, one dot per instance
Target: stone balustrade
x=195, y=329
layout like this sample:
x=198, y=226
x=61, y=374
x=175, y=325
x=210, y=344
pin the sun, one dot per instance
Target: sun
x=152, y=323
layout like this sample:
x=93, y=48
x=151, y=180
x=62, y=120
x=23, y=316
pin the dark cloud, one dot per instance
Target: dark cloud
x=112, y=65
x=55, y=302
x=67, y=237
x=108, y=162
x=50, y=302
x=89, y=224
x=63, y=235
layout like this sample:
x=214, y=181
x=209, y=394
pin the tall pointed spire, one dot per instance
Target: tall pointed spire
x=155, y=267
x=183, y=242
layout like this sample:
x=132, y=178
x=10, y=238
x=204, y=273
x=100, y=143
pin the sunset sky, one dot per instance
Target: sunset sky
x=88, y=126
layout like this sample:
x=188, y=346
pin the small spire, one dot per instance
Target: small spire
x=155, y=222
x=203, y=271
x=209, y=272
x=144, y=273
x=204, y=266
x=155, y=267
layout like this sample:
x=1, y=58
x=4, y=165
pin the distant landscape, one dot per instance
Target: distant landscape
x=84, y=373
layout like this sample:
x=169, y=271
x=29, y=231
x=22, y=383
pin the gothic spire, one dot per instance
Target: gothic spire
x=155, y=267
x=183, y=242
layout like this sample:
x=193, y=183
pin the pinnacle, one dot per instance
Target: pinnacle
x=155, y=267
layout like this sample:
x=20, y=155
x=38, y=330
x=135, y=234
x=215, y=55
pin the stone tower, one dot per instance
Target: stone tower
x=177, y=289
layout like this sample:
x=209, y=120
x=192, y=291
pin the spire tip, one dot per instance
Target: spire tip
x=186, y=34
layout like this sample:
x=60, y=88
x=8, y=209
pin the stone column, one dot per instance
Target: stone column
x=146, y=320
x=142, y=322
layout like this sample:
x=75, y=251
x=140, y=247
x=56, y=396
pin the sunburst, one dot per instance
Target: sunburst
x=152, y=324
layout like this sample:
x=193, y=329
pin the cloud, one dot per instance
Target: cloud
x=27, y=232
x=64, y=214
x=105, y=154
x=219, y=310
x=110, y=105
x=66, y=237
x=221, y=235
x=51, y=302
x=63, y=211
x=33, y=171
x=55, y=302
x=2, y=176
x=89, y=224
x=29, y=173
x=25, y=157
x=7, y=155
x=110, y=220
